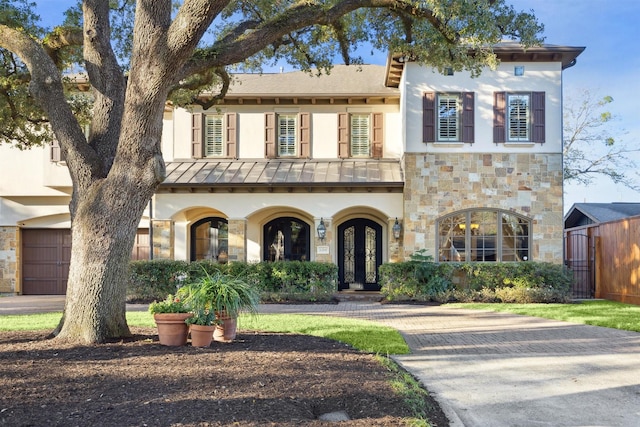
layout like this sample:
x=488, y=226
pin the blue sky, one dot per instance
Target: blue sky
x=610, y=65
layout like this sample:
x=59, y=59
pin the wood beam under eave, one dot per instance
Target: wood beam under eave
x=295, y=101
x=276, y=100
x=313, y=101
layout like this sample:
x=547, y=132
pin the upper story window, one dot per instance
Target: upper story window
x=213, y=135
x=287, y=135
x=449, y=107
x=448, y=117
x=484, y=235
x=360, y=135
x=518, y=120
x=519, y=117
x=287, y=141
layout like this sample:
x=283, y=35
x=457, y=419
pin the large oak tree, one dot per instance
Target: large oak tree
x=163, y=48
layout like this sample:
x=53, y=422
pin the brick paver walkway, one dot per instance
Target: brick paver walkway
x=498, y=369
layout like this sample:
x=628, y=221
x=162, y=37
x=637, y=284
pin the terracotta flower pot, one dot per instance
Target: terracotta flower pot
x=172, y=330
x=202, y=335
x=226, y=330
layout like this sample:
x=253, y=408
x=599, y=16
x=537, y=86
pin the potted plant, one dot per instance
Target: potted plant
x=201, y=326
x=170, y=316
x=223, y=295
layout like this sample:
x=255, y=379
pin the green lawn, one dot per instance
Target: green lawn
x=362, y=335
x=609, y=314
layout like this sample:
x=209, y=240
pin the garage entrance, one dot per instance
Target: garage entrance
x=45, y=259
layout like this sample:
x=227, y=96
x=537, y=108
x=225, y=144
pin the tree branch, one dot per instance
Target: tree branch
x=46, y=87
x=241, y=43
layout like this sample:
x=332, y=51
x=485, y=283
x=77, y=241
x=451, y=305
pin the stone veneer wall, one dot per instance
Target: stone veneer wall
x=237, y=239
x=163, y=236
x=8, y=259
x=527, y=184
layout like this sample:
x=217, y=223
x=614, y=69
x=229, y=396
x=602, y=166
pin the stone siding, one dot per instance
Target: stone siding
x=8, y=259
x=237, y=240
x=163, y=237
x=527, y=184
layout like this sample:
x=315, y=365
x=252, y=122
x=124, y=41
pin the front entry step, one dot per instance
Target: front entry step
x=359, y=296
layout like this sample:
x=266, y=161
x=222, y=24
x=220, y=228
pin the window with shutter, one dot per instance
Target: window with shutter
x=360, y=135
x=287, y=140
x=518, y=117
x=448, y=117
x=213, y=136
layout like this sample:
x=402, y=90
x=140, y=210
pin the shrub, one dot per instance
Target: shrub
x=276, y=281
x=421, y=279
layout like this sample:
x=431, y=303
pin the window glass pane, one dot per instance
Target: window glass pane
x=483, y=235
x=286, y=239
x=213, y=145
x=211, y=240
x=452, y=243
x=287, y=134
x=518, y=121
x=448, y=117
x=515, y=238
x=360, y=135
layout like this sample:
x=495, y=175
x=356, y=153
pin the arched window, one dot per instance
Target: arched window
x=484, y=235
x=210, y=240
x=286, y=239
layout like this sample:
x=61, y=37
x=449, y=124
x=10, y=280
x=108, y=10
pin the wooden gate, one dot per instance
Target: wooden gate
x=580, y=257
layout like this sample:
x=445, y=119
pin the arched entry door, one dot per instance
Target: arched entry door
x=359, y=254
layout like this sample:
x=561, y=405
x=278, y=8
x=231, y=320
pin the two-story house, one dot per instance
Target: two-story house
x=362, y=166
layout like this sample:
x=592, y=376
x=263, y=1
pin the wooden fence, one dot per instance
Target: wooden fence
x=616, y=258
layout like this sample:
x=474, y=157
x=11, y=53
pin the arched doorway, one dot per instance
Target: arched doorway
x=359, y=254
x=286, y=239
x=210, y=240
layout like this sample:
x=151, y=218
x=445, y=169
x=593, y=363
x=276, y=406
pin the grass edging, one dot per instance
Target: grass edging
x=608, y=314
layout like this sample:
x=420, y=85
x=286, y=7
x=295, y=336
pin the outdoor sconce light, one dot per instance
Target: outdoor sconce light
x=322, y=230
x=397, y=228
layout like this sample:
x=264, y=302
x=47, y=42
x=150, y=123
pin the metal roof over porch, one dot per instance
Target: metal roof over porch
x=284, y=173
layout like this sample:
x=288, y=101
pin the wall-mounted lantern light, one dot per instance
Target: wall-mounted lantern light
x=322, y=230
x=397, y=228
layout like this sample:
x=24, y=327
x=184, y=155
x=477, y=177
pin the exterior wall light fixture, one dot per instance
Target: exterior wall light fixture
x=322, y=230
x=397, y=228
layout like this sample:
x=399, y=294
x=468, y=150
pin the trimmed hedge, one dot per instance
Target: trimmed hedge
x=421, y=279
x=276, y=281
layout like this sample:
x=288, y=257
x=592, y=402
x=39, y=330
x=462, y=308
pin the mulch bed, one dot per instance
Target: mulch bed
x=258, y=380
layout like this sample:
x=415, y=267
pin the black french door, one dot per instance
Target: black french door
x=359, y=254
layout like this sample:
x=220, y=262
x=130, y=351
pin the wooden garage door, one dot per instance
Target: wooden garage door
x=46, y=255
x=45, y=261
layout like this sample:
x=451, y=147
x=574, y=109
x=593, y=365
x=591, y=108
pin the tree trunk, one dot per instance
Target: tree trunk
x=103, y=231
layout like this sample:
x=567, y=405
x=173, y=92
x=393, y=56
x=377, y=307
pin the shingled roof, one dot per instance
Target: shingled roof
x=595, y=213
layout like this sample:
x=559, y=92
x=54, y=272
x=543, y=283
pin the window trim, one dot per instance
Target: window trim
x=536, y=125
x=431, y=116
x=229, y=135
x=448, y=98
x=272, y=136
x=499, y=236
x=375, y=136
